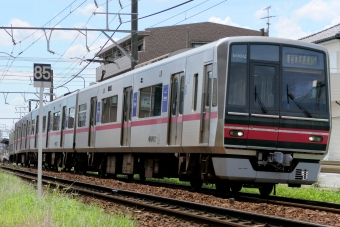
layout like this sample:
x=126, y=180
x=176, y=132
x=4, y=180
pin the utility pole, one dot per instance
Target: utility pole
x=267, y=18
x=51, y=88
x=134, y=35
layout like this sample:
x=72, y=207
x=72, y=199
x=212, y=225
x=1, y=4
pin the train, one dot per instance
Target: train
x=237, y=112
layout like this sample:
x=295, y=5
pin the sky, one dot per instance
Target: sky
x=291, y=19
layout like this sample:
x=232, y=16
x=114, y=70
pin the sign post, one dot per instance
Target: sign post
x=42, y=78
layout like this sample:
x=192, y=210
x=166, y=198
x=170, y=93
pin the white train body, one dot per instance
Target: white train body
x=192, y=111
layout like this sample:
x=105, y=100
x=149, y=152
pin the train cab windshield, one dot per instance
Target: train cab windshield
x=298, y=74
x=303, y=80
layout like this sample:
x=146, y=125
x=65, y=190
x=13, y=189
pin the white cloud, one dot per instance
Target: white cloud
x=261, y=13
x=288, y=28
x=89, y=9
x=18, y=34
x=226, y=21
x=318, y=10
x=313, y=11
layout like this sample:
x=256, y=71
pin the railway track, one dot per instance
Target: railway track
x=210, y=214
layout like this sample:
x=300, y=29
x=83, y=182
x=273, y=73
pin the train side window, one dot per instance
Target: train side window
x=109, y=111
x=44, y=123
x=56, y=121
x=82, y=115
x=195, y=92
x=238, y=80
x=150, y=103
x=214, y=95
x=71, y=115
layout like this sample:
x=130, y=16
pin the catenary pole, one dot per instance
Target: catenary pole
x=134, y=35
x=40, y=141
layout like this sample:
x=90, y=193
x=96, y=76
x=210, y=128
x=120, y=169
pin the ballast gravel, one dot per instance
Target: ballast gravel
x=307, y=215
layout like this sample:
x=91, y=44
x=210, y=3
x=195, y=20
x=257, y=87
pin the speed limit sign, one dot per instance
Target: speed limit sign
x=42, y=74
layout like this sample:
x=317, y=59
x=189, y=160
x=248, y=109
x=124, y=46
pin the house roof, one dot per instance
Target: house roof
x=232, y=30
x=324, y=35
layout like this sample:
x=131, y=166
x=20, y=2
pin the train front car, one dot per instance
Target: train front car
x=277, y=112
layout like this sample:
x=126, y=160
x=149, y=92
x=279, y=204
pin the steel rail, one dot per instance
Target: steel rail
x=209, y=213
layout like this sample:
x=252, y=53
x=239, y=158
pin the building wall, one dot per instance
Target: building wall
x=165, y=40
x=333, y=47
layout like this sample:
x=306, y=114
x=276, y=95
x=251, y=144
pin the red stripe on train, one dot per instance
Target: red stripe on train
x=274, y=133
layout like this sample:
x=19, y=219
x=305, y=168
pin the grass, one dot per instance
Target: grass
x=313, y=192
x=20, y=207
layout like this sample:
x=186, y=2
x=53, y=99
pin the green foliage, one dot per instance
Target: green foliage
x=313, y=192
x=20, y=207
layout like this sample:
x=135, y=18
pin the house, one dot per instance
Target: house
x=330, y=38
x=158, y=43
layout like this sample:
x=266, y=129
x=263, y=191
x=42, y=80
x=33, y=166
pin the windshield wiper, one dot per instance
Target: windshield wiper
x=260, y=102
x=298, y=105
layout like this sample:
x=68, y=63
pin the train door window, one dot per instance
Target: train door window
x=264, y=82
x=44, y=123
x=195, y=84
x=181, y=104
x=238, y=80
x=82, y=115
x=150, y=101
x=174, y=97
x=63, y=123
x=49, y=122
x=214, y=94
x=71, y=115
x=29, y=128
x=265, y=52
x=209, y=82
x=37, y=126
x=109, y=111
x=32, y=126
x=56, y=121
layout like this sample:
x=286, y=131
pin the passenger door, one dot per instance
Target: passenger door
x=176, y=109
x=264, y=105
x=126, y=121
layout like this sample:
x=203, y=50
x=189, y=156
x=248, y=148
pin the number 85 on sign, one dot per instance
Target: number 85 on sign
x=42, y=74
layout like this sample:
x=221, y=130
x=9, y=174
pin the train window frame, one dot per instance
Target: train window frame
x=107, y=104
x=195, y=92
x=71, y=117
x=155, y=108
x=82, y=114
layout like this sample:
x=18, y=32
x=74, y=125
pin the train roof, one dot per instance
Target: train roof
x=257, y=39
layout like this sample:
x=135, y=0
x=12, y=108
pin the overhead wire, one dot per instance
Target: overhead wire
x=149, y=16
x=43, y=35
x=98, y=35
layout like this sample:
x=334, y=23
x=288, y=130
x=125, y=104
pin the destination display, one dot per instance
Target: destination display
x=299, y=59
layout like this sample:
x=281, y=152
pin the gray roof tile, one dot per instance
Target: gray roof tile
x=324, y=35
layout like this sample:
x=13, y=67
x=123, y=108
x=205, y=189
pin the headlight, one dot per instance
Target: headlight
x=316, y=139
x=236, y=133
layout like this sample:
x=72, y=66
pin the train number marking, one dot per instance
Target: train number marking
x=152, y=139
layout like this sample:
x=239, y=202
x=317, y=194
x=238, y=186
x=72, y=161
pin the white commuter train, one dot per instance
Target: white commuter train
x=238, y=112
